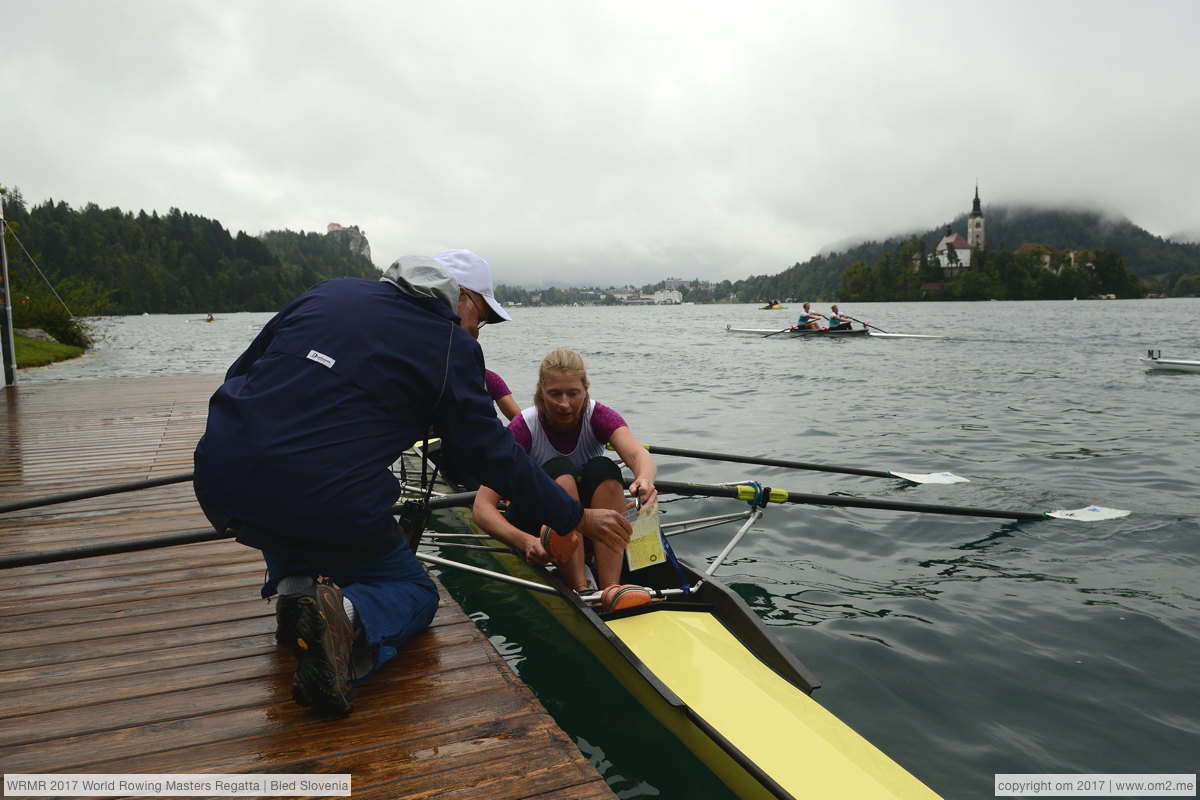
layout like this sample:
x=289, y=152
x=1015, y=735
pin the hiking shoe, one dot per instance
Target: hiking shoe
x=619, y=598
x=314, y=624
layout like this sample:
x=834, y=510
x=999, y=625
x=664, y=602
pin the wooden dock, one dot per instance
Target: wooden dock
x=164, y=660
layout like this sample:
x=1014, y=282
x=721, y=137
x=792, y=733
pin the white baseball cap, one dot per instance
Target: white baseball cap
x=473, y=273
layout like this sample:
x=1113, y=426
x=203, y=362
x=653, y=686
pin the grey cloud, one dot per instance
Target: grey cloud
x=604, y=142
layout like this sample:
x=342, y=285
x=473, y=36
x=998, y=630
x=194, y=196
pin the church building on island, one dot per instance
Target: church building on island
x=953, y=252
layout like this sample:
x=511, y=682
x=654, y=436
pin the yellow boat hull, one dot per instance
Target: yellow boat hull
x=806, y=750
x=710, y=672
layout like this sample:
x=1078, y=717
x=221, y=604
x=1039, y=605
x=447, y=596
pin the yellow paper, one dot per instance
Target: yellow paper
x=645, y=546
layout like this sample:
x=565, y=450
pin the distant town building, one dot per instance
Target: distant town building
x=1052, y=259
x=668, y=297
x=1044, y=253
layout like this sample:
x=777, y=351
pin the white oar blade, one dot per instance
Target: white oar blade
x=882, y=335
x=1089, y=514
x=929, y=477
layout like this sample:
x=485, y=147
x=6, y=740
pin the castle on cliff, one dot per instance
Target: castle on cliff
x=355, y=240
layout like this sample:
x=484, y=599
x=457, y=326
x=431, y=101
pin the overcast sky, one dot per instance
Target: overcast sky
x=603, y=141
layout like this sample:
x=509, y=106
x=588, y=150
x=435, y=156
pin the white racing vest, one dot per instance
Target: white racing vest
x=541, y=451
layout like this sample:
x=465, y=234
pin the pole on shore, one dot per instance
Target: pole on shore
x=6, y=328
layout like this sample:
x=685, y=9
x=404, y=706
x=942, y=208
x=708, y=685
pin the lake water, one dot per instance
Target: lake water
x=962, y=647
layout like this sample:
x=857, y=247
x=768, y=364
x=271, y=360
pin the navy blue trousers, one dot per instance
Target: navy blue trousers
x=394, y=598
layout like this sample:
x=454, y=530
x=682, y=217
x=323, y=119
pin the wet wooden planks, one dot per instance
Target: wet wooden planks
x=164, y=660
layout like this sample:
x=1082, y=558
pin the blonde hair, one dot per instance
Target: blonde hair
x=560, y=360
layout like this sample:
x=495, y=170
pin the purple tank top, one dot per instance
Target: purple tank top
x=496, y=386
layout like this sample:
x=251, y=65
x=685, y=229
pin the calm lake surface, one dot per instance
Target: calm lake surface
x=962, y=647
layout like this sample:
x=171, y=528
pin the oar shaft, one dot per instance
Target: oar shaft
x=101, y=491
x=166, y=540
x=672, y=487
x=499, y=576
x=765, y=462
x=867, y=324
x=746, y=493
x=894, y=505
x=112, y=548
x=463, y=499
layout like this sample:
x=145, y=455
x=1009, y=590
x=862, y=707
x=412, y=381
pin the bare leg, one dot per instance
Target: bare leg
x=609, y=494
x=572, y=571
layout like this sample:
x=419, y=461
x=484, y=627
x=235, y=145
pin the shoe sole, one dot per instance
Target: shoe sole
x=316, y=684
x=619, y=598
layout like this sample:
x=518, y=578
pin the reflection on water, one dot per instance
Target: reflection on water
x=962, y=647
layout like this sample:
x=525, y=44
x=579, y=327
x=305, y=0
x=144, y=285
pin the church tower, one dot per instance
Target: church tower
x=975, y=223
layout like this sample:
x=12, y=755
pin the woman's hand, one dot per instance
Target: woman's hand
x=531, y=547
x=638, y=459
x=644, y=490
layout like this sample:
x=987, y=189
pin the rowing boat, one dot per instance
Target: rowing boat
x=708, y=669
x=1153, y=361
x=800, y=331
x=875, y=333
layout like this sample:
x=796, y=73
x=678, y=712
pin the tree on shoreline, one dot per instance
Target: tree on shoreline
x=993, y=275
x=174, y=263
x=39, y=296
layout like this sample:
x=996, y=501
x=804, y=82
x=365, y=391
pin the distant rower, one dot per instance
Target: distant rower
x=839, y=321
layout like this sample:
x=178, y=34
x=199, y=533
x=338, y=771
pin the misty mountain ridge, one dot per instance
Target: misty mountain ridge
x=1186, y=236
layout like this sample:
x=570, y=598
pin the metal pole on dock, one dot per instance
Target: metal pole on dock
x=6, y=328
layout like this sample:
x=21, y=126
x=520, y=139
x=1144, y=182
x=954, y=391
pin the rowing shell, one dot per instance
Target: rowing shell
x=708, y=669
x=800, y=331
x=1174, y=364
x=876, y=334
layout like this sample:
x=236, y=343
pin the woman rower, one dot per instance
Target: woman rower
x=809, y=318
x=501, y=395
x=566, y=431
x=839, y=321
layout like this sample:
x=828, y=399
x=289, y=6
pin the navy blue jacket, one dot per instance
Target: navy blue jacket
x=303, y=431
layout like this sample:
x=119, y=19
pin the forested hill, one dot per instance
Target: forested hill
x=1145, y=255
x=174, y=263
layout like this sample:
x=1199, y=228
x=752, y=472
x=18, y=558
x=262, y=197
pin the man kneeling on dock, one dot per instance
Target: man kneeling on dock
x=301, y=437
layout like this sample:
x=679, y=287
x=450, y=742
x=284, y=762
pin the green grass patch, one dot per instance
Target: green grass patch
x=36, y=353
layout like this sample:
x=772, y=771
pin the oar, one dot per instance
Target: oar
x=867, y=324
x=751, y=494
x=775, y=333
x=822, y=316
x=913, y=477
x=462, y=499
x=100, y=491
x=515, y=581
x=113, y=548
x=169, y=539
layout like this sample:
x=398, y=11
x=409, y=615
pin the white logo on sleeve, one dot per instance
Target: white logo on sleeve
x=321, y=359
